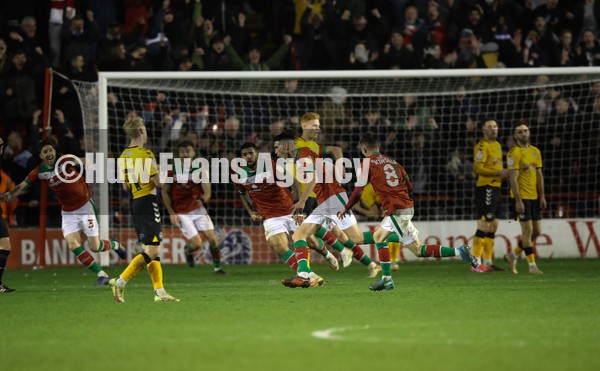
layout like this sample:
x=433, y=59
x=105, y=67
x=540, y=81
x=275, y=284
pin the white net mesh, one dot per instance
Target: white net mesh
x=429, y=124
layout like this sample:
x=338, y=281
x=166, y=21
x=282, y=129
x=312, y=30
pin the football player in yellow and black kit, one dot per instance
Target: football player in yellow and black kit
x=487, y=162
x=138, y=169
x=524, y=162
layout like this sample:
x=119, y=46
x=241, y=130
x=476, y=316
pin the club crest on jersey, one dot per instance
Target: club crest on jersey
x=479, y=155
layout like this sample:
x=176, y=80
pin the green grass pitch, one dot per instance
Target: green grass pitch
x=439, y=317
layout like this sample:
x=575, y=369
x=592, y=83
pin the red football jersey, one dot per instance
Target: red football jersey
x=323, y=190
x=185, y=193
x=71, y=195
x=270, y=199
x=388, y=180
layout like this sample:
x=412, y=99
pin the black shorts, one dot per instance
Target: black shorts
x=147, y=220
x=488, y=201
x=532, y=210
x=310, y=205
x=3, y=227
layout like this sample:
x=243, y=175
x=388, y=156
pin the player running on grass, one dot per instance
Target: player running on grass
x=185, y=200
x=273, y=205
x=332, y=198
x=392, y=185
x=77, y=208
x=346, y=245
x=310, y=125
x=137, y=167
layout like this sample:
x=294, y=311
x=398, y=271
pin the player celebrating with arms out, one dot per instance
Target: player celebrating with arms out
x=273, y=205
x=137, y=166
x=392, y=185
x=185, y=200
x=77, y=208
x=524, y=162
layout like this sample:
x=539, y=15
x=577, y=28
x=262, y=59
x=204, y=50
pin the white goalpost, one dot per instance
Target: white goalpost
x=426, y=119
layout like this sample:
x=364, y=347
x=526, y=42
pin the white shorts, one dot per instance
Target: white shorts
x=81, y=220
x=280, y=224
x=399, y=223
x=194, y=222
x=325, y=214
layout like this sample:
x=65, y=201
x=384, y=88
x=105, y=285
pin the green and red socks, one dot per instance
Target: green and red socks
x=87, y=260
x=385, y=260
x=359, y=254
x=106, y=245
x=438, y=251
x=301, y=252
x=330, y=239
x=290, y=259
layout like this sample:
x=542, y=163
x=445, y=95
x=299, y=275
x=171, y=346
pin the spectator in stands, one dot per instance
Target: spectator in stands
x=353, y=30
x=60, y=10
x=176, y=26
x=335, y=116
x=254, y=57
x=410, y=27
x=433, y=30
x=395, y=53
x=216, y=59
x=372, y=121
x=433, y=59
x=588, y=51
x=546, y=37
x=26, y=39
x=534, y=55
x=80, y=37
x=563, y=53
x=18, y=92
x=361, y=58
x=318, y=51
x=470, y=51
x=232, y=137
x=583, y=15
x=553, y=13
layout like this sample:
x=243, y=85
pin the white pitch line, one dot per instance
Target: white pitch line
x=330, y=333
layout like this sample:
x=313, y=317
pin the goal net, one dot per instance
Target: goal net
x=427, y=120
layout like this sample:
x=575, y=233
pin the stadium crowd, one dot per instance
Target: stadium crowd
x=433, y=138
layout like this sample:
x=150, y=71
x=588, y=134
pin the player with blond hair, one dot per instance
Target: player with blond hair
x=138, y=169
x=488, y=165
